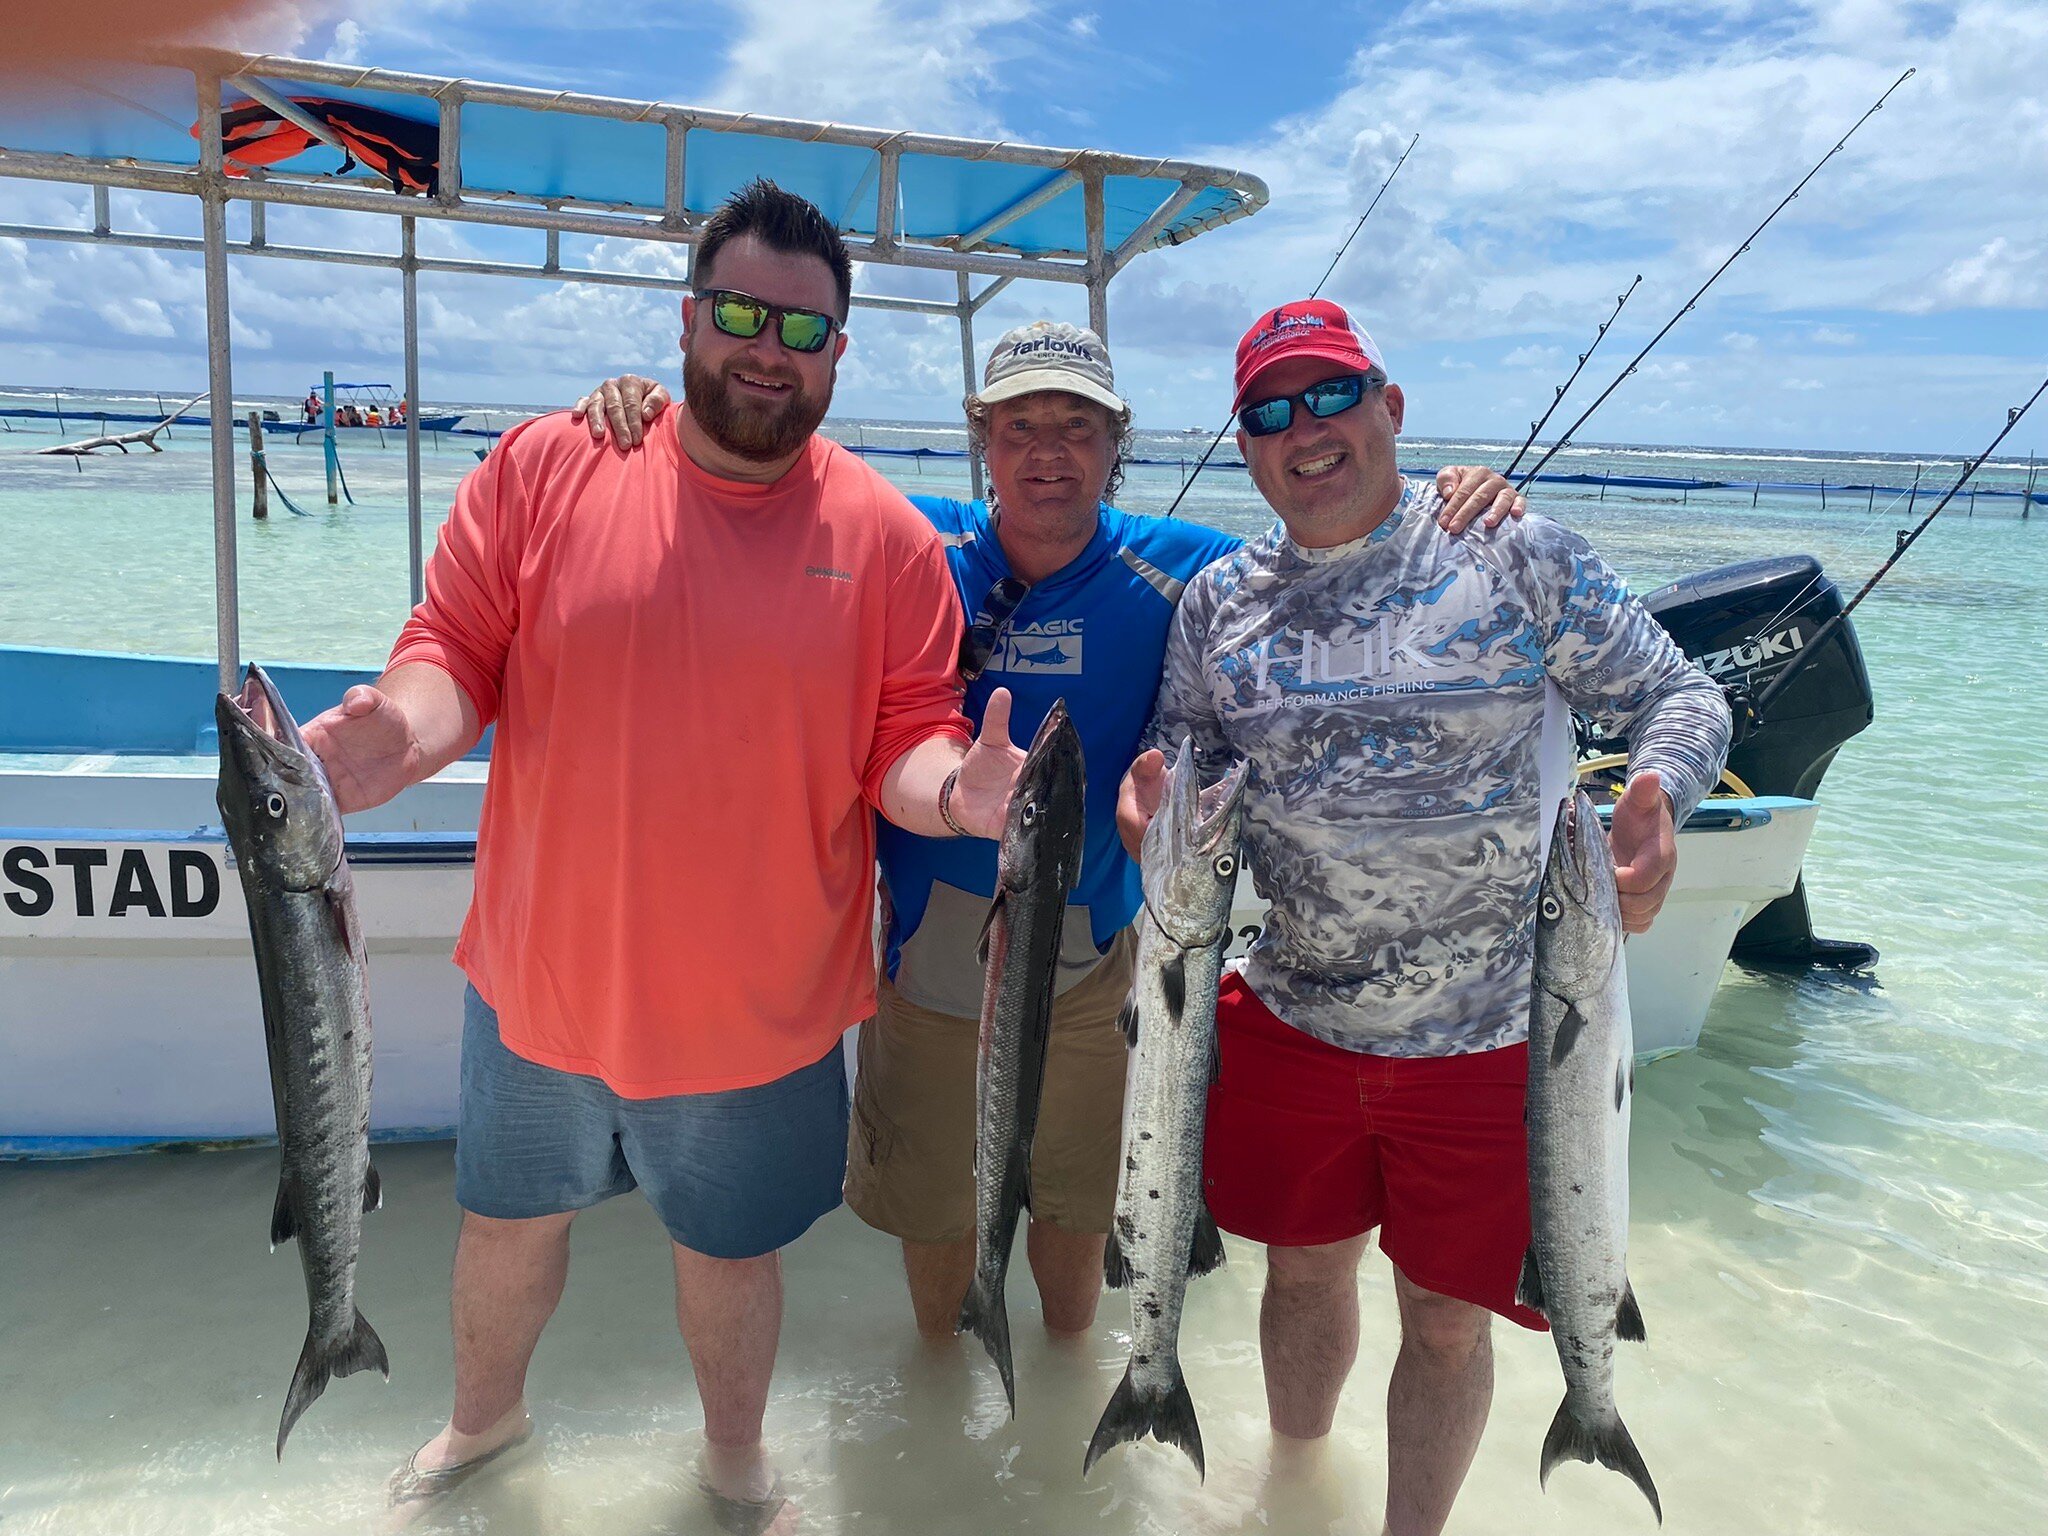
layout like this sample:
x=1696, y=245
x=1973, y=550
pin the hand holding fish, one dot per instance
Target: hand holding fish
x=1645, y=850
x=366, y=745
x=981, y=795
x=1138, y=799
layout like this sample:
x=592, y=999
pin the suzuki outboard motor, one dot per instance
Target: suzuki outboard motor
x=1744, y=624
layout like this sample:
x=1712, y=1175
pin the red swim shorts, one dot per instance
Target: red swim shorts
x=1309, y=1143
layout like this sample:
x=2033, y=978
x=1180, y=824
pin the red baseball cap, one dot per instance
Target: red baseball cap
x=1306, y=328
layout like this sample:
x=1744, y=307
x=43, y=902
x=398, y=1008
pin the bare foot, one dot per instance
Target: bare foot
x=448, y=1460
x=745, y=1494
x=451, y=1447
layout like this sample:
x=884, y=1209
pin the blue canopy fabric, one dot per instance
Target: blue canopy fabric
x=541, y=156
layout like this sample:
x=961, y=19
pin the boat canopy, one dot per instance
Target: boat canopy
x=562, y=162
x=634, y=160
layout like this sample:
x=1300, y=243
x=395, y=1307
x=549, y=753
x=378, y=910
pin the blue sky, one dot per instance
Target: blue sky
x=1900, y=304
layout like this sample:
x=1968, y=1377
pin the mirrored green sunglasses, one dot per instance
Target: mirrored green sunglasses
x=743, y=315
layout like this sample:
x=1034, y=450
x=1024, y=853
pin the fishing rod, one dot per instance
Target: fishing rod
x=1536, y=426
x=1316, y=293
x=1570, y=431
x=1777, y=684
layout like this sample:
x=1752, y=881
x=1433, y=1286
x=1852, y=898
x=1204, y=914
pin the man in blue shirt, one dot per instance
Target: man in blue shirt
x=1067, y=597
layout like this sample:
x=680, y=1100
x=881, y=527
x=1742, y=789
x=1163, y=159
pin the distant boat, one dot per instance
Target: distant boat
x=365, y=398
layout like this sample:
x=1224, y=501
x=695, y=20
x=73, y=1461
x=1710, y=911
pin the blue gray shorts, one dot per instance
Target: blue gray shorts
x=732, y=1175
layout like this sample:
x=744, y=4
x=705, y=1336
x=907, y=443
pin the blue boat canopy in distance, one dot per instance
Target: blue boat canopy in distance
x=561, y=155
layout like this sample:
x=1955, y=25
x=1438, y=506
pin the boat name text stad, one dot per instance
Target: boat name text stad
x=32, y=878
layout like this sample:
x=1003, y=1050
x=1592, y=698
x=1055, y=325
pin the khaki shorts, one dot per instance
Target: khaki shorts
x=910, y=1144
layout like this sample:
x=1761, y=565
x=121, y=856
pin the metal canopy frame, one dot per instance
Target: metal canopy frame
x=967, y=254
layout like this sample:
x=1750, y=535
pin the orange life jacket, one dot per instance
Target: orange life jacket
x=403, y=150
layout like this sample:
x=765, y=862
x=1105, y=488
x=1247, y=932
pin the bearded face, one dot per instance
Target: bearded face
x=761, y=411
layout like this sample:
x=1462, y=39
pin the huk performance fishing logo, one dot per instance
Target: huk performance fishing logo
x=1753, y=656
x=1052, y=645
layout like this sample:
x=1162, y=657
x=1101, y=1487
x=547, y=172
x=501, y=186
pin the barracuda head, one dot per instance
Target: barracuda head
x=1190, y=853
x=274, y=800
x=1045, y=818
x=1578, y=909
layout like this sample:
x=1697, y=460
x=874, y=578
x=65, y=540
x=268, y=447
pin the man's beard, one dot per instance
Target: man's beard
x=758, y=432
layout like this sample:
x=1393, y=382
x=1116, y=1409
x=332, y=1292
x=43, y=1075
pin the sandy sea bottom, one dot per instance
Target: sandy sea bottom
x=1841, y=1199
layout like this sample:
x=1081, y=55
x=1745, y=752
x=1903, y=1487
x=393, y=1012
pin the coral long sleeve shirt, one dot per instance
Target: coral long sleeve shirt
x=698, y=686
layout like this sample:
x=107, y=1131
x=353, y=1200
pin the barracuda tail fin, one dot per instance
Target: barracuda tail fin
x=984, y=1315
x=1609, y=1444
x=1168, y=1416
x=361, y=1350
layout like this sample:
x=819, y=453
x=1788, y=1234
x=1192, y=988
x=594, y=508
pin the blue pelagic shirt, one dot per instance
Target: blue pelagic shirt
x=1094, y=634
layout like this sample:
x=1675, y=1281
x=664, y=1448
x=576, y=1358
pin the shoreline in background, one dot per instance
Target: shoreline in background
x=34, y=396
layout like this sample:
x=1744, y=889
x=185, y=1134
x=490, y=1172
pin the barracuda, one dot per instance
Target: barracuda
x=1163, y=1232
x=1039, y=862
x=285, y=829
x=1581, y=1078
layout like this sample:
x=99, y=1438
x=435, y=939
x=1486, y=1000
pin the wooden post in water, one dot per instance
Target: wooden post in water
x=332, y=456
x=1823, y=493
x=1873, y=497
x=58, y=401
x=2027, y=501
x=1603, y=483
x=1756, y=489
x=260, y=509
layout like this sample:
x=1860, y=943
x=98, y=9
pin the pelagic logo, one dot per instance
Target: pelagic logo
x=90, y=882
x=1745, y=658
x=1051, y=645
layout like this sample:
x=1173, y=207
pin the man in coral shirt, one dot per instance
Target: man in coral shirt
x=706, y=664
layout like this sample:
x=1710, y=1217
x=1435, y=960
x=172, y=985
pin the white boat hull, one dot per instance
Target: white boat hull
x=129, y=1013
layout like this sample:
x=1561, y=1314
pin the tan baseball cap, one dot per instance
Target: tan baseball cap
x=1051, y=355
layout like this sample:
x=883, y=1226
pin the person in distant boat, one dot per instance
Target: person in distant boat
x=398, y=413
x=673, y=914
x=1066, y=596
x=311, y=407
x=1401, y=698
x=374, y=419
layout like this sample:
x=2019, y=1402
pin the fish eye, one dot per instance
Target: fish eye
x=274, y=804
x=1551, y=910
x=1030, y=813
x=1226, y=866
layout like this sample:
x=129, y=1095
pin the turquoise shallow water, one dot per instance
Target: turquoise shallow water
x=1841, y=1198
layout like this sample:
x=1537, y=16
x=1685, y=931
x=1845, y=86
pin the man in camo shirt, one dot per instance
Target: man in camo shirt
x=1403, y=698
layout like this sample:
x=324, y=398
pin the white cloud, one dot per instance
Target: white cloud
x=136, y=317
x=1833, y=336
x=347, y=47
x=1739, y=341
x=1083, y=25
x=1801, y=384
x=1533, y=357
x=892, y=63
x=2001, y=273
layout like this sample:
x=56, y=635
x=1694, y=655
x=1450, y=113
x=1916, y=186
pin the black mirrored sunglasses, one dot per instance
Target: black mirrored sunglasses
x=979, y=643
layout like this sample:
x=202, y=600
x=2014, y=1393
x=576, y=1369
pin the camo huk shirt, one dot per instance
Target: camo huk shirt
x=1390, y=696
